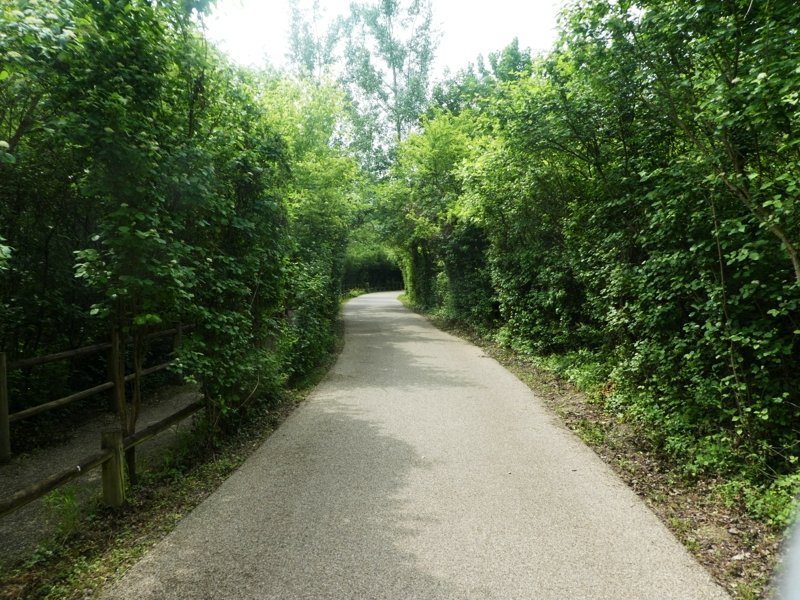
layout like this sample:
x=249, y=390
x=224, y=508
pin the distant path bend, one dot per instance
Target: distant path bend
x=419, y=468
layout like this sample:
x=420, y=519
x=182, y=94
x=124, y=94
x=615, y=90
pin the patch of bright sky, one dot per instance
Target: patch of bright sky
x=252, y=32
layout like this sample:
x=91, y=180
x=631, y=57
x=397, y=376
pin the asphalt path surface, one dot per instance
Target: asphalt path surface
x=419, y=468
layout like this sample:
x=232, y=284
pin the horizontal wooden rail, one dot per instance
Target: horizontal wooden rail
x=156, y=428
x=41, y=360
x=148, y=371
x=40, y=408
x=40, y=488
x=117, y=383
x=158, y=334
x=166, y=332
x=48, y=358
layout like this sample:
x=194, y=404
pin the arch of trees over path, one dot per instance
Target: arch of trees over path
x=625, y=205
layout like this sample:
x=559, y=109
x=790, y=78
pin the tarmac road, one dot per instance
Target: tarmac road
x=419, y=469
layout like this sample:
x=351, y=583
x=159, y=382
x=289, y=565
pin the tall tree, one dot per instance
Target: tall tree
x=312, y=44
x=388, y=57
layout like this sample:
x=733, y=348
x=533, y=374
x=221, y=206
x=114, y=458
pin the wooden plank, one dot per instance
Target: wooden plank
x=155, y=368
x=40, y=488
x=40, y=360
x=149, y=370
x=116, y=366
x=158, y=334
x=136, y=403
x=5, y=429
x=35, y=410
x=113, y=469
x=166, y=332
x=156, y=428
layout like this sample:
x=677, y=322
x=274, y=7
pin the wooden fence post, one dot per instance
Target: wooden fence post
x=113, y=469
x=117, y=359
x=5, y=427
x=178, y=339
x=116, y=368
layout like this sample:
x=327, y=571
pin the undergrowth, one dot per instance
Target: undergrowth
x=732, y=524
x=766, y=495
x=95, y=545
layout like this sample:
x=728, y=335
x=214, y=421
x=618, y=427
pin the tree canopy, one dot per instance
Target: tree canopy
x=626, y=202
x=146, y=181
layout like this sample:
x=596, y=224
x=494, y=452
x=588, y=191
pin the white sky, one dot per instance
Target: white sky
x=250, y=30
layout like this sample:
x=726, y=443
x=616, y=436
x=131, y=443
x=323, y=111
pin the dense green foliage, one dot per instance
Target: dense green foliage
x=627, y=202
x=381, y=55
x=145, y=181
x=630, y=200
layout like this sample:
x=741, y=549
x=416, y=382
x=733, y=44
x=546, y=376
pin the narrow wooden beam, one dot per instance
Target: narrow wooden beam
x=149, y=370
x=40, y=488
x=156, y=428
x=113, y=469
x=35, y=410
x=41, y=360
x=5, y=429
x=117, y=371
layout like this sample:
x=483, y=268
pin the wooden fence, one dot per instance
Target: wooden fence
x=117, y=382
x=114, y=444
x=111, y=457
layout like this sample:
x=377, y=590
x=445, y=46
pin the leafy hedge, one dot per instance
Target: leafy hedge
x=632, y=197
x=145, y=181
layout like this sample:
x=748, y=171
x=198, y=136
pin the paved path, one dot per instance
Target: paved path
x=419, y=469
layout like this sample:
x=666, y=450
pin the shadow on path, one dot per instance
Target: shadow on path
x=315, y=513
